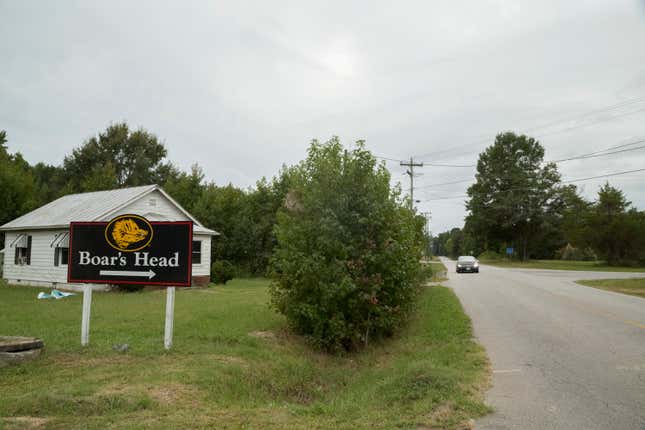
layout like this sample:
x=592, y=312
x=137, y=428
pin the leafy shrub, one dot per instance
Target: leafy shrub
x=222, y=271
x=346, y=265
x=425, y=273
x=490, y=255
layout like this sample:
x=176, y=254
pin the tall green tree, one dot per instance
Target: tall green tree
x=263, y=204
x=346, y=264
x=4, y=153
x=186, y=188
x=225, y=209
x=117, y=157
x=612, y=229
x=50, y=181
x=507, y=204
x=19, y=194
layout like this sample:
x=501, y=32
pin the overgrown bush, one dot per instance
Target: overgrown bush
x=222, y=271
x=346, y=265
x=426, y=272
x=490, y=255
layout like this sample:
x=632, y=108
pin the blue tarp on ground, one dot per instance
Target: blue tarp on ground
x=55, y=294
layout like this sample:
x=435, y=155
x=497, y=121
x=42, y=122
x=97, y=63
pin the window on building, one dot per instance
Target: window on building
x=197, y=252
x=61, y=255
x=23, y=251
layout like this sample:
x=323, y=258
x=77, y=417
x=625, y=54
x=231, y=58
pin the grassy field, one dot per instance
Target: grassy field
x=562, y=265
x=233, y=366
x=634, y=287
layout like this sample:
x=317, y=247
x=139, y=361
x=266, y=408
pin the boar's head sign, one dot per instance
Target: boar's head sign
x=129, y=249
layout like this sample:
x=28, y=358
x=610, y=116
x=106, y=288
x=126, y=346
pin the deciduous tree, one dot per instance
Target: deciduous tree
x=514, y=188
x=136, y=158
x=18, y=193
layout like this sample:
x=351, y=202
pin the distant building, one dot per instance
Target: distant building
x=37, y=244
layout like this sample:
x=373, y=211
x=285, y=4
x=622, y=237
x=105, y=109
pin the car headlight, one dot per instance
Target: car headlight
x=476, y=265
x=458, y=265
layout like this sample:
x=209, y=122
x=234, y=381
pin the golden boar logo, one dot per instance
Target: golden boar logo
x=128, y=233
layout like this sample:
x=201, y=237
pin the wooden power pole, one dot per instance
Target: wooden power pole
x=410, y=172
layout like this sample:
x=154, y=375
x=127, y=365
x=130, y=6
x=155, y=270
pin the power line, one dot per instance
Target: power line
x=449, y=165
x=386, y=158
x=589, y=113
x=588, y=124
x=559, y=121
x=603, y=152
x=445, y=183
x=595, y=154
x=608, y=175
x=599, y=155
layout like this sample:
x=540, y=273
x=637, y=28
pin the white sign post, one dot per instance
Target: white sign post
x=125, y=250
x=170, y=316
x=85, y=319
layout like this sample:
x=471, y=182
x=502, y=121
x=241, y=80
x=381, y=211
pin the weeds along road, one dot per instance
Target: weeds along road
x=563, y=356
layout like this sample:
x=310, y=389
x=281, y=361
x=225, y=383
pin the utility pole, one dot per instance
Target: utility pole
x=410, y=173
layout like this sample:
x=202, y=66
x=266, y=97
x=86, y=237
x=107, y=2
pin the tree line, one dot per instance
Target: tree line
x=120, y=157
x=519, y=201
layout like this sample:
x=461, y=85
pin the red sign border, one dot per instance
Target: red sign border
x=118, y=282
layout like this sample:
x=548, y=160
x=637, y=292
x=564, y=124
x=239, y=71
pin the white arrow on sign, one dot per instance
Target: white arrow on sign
x=149, y=274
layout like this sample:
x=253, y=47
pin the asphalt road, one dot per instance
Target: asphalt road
x=563, y=356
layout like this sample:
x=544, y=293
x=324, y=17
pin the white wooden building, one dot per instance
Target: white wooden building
x=37, y=243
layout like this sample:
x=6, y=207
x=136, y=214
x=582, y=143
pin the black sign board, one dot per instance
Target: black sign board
x=131, y=250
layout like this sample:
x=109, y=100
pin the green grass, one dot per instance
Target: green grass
x=439, y=270
x=633, y=286
x=233, y=366
x=562, y=265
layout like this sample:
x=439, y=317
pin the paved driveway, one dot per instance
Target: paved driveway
x=563, y=356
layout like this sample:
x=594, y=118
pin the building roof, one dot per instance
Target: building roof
x=96, y=206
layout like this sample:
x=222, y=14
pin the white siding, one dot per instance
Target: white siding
x=41, y=272
x=204, y=268
x=42, y=258
x=162, y=210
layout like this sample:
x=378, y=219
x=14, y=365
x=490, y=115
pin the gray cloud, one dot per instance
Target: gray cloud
x=242, y=87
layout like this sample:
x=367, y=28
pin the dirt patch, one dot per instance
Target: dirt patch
x=167, y=394
x=230, y=359
x=467, y=425
x=442, y=412
x=24, y=422
x=174, y=393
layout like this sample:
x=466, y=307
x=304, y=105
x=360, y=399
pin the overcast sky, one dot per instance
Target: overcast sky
x=242, y=87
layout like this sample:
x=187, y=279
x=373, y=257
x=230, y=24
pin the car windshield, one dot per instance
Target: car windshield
x=466, y=258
